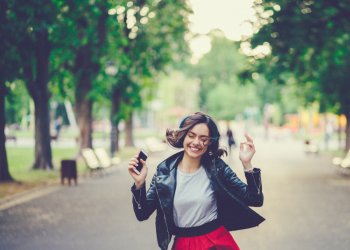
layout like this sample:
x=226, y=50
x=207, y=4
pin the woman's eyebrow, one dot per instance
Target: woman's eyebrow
x=193, y=133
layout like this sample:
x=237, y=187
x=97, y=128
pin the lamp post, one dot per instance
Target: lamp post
x=112, y=71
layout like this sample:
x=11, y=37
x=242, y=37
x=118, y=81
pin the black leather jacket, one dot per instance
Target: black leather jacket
x=233, y=197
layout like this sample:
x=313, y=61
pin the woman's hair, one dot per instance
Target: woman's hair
x=175, y=137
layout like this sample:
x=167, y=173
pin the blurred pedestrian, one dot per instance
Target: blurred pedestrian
x=198, y=197
x=58, y=126
x=328, y=133
x=230, y=139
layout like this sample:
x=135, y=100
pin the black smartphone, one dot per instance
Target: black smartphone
x=142, y=156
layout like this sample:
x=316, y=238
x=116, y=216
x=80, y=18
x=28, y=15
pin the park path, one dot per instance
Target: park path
x=306, y=207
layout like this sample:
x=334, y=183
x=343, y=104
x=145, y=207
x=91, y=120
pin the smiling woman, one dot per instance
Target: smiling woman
x=198, y=197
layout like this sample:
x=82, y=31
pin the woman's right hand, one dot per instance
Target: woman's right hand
x=138, y=178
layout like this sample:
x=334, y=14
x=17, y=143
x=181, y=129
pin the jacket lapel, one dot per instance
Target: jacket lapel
x=166, y=184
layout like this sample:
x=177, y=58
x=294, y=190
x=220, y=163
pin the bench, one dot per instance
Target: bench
x=105, y=160
x=311, y=147
x=91, y=160
x=343, y=163
x=11, y=138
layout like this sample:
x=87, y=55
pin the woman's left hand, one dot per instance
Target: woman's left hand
x=246, y=152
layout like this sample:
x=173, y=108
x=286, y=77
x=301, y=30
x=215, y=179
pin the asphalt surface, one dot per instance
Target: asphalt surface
x=307, y=206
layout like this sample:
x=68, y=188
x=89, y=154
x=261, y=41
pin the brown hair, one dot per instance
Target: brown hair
x=175, y=137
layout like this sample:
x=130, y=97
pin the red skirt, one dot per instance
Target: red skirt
x=219, y=239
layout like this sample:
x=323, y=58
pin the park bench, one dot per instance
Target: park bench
x=91, y=160
x=54, y=137
x=310, y=147
x=105, y=160
x=98, y=159
x=11, y=138
x=343, y=163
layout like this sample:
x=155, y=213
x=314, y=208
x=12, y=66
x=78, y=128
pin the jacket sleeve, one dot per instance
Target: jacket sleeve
x=144, y=203
x=250, y=193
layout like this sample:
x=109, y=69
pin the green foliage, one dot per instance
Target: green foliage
x=17, y=102
x=228, y=100
x=176, y=96
x=218, y=71
x=309, y=39
x=219, y=66
x=150, y=37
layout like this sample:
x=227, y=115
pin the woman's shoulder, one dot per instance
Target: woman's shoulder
x=169, y=163
x=219, y=162
x=222, y=166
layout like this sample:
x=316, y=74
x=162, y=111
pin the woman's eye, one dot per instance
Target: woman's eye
x=205, y=140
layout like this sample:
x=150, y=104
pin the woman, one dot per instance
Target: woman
x=197, y=196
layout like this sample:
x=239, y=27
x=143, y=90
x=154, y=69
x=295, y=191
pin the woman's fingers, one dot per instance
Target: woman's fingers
x=132, y=166
x=250, y=144
x=248, y=137
x=247, y=146
x=133, y=161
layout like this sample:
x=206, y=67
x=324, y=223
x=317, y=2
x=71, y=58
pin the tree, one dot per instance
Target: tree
x=226, y=101
x=152, y=36
x=33, y=24
x=309, y=39
x=221, y=93
x=4, y=170
x=9, y=69
x=81, y=34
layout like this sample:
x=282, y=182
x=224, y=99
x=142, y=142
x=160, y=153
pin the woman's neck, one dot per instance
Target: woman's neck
x=189, y=165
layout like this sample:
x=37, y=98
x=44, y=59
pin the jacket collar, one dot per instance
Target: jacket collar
x=169, y=164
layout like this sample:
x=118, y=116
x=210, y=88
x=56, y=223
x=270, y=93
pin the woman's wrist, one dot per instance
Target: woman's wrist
x=138, y=185
x=247, y=166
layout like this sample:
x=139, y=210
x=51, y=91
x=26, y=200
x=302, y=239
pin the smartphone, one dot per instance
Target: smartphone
x=142, y=156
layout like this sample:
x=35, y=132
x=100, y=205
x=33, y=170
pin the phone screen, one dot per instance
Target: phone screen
x=143, y=156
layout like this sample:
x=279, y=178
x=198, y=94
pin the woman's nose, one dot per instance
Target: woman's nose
x=197, y=141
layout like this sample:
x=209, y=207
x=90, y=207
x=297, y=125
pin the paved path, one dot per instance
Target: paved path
x=307, y=207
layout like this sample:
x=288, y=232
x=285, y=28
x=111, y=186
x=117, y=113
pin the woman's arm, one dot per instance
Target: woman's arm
x=144, y=204
x=250, y=193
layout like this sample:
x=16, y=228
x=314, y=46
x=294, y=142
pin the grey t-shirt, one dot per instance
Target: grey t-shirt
x=194, y=200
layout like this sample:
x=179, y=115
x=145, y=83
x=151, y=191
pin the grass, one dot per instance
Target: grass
x=21, y=158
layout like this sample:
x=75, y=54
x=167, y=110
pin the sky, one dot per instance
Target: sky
x=227, y=15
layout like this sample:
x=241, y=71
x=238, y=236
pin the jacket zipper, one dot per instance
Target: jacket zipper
x=257, y=187
x=137, y=202
x=161, y=207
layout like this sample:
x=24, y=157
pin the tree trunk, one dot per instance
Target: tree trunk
x=114, y=139
x=43, y=156
x=115, y=119
x=129, y=142
x=4, y=170
x=347, y=132
x=84, y=70
x=40, y=94
x=339, y=131
x=83, y=109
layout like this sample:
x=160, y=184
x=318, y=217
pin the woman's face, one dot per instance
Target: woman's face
x=196, y=141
